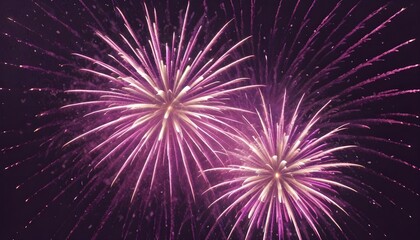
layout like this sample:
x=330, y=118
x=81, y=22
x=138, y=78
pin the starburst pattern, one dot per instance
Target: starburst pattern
x=168, y=101
x=143, y=116
x=290, y=182
x=286, y=175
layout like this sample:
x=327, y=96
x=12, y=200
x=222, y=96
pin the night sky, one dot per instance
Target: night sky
x=396, y=212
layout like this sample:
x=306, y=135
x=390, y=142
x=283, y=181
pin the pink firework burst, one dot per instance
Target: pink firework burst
x=294, y=163
x=144, y=118
x=165, y=103
x=288, y=175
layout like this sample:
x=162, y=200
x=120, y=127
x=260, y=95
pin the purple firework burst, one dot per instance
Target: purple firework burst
x=166, y=103
x=163, y=109
x=146, y=121
x=289, y=174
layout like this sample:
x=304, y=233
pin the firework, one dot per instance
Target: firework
x=291, y=165
x=167, y=103
x=149, y=119
x=286, y=176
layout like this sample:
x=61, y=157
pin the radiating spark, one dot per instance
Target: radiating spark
x=165, y=101
x=287, y=175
